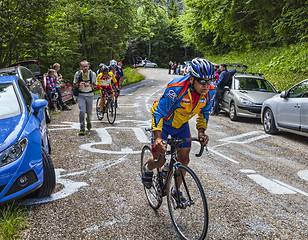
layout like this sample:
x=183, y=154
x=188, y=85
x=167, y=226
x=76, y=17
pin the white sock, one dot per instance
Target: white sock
x=147, y=169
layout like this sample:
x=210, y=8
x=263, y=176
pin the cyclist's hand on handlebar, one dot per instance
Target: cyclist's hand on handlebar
x=204, y=139
x=160, y=145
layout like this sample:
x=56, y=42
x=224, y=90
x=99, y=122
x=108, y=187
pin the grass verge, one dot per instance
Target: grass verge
x=13, y=220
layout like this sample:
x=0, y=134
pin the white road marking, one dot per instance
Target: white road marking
x=139, y=133
x=244, y=135
x=303, y=174
x=70, y=187
x=222, y=155
x=247, y=171
x=271, y=186
x=292, y=188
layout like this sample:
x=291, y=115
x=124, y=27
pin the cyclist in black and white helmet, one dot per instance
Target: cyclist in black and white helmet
x=118, y=73
x=183, y=98
x=99, y=68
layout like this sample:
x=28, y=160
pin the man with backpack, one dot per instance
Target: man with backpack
x=223, y=81
x=85, y=81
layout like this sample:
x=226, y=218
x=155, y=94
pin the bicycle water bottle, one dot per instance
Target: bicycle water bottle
x=165, y=169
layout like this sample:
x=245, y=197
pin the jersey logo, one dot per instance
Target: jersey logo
x=172, y=95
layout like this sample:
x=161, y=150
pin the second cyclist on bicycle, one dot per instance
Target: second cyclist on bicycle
x=104, y=80
x=183, y=98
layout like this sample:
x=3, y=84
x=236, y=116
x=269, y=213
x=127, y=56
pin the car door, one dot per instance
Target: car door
x=227, y=96
x=289, y=109
x=304, y=108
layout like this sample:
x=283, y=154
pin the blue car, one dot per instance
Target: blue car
x=25, y=163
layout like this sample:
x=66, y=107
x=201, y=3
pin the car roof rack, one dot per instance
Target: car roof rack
x=244, y=67
x=255, y=73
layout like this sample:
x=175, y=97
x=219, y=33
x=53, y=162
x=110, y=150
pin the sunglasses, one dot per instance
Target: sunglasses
x=203, y=81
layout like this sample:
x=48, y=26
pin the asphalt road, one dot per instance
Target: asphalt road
x=255, y=184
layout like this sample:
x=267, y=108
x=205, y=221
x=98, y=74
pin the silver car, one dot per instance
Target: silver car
x=245, y=95
x=287, y=111
x=147, y=63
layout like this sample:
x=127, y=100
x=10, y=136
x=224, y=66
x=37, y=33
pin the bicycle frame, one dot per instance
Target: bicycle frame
x=173, y=167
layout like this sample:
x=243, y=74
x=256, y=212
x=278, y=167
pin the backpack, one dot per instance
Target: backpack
x=79, y=77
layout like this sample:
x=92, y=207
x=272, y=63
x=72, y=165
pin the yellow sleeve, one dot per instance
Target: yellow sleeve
x=98, y=79
x=201, y=122
x=159, y=126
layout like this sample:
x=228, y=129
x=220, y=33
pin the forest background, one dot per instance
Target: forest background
x=268, y=36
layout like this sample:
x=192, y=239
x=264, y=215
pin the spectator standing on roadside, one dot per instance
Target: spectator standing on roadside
x=59, y=84
x=51, y=88
x=145, y=63
x=170, y=66
x=217, y=72
x=174, y=67
x=85, y=80
x=223, y=81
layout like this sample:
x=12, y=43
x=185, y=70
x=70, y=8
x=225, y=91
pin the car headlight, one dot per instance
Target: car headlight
x=246, y=101
x=12, y=153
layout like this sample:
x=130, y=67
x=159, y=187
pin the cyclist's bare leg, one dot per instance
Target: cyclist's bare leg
x=151, y=164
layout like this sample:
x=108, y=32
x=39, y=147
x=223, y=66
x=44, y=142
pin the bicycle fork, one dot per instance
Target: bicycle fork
x=179, y=204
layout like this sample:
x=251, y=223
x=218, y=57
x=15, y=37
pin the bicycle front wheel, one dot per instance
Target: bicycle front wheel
x=99, y=116
x=111, y=111
x=153, y=193
x=187, y=206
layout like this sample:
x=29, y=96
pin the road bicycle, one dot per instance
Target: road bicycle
x=109, y=107
x=190, y=217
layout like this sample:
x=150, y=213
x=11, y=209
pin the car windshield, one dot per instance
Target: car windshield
x=9, y=104
x=253, y=84
x=33, y=67
x=7, y=72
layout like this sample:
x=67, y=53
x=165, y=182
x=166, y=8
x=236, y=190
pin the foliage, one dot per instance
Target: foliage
x=218, y=26
x=69, y=31
x=131, y=76
x=23, y=29
x=12, y=220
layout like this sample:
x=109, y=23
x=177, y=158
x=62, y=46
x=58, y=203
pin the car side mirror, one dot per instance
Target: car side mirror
x=283, y=94
x=38, y=104
x=227, y=88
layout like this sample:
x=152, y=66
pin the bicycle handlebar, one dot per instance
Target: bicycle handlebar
x=174, y=142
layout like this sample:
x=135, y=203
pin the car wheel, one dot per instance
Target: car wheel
x=269, y=122
x=47, y=115
x=49, y=180
x=232, y=112
x=155, y=66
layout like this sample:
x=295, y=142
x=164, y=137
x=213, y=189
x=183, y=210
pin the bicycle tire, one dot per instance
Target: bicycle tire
x=111, y=111
x=190, y=220
x=153, y=194
x=98, y=109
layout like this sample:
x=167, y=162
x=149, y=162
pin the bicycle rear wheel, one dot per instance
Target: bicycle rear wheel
x=111, y=111
x=98, y=109
x=190, y=217
x=154, y=193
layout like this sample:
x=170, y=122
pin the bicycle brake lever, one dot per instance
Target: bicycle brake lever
x=200, y=153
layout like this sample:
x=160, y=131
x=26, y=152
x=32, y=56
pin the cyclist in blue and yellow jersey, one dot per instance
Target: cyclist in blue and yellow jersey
x=118, y=73
x=104, y=80
x=183, y=98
